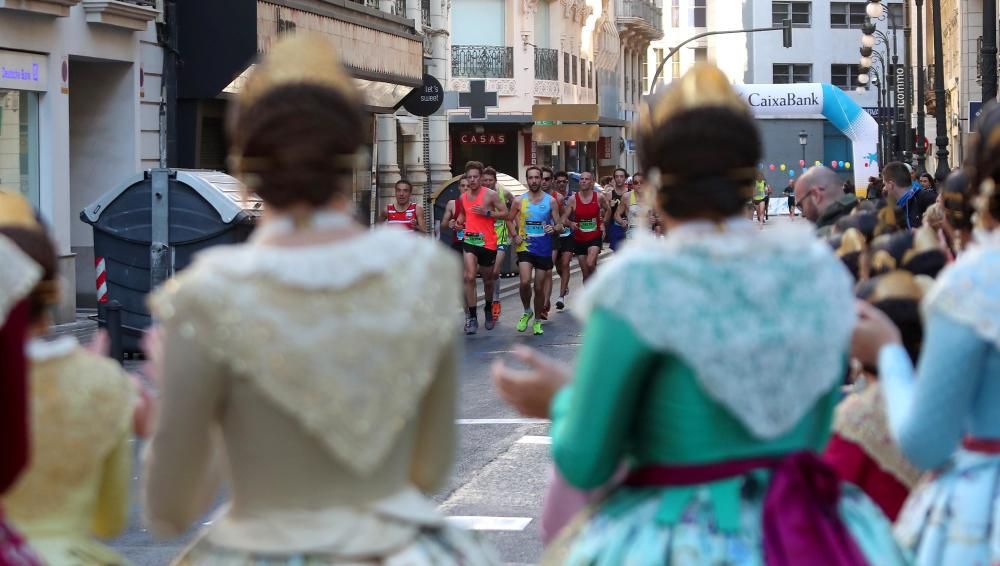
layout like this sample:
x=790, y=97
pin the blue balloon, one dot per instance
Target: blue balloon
x=791, y=172
x=840, y=164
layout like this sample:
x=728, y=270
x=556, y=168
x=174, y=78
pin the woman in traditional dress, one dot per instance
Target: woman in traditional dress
x=944, y=415
x=305, y=358
x=18, y=276
x=720, y=437
x=862, y=450
x=82, y=404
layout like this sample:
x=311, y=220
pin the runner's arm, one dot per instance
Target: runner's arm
x=421, y=223
x=622, y=204
x=557, y=214
x=515, y=211
x=449, y=213
x=569, y=211
x=500, y=205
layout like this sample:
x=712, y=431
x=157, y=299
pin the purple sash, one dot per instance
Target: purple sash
x=801, y=524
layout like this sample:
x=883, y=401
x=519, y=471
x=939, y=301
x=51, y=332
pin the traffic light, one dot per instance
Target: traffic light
x=786, y=33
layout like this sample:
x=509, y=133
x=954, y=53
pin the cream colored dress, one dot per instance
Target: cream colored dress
x=319, y=383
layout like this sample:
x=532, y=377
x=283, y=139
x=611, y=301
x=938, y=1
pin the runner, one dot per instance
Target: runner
x=790, y=194
x=631, y=214
x=504, y=228
x=548, y=179
x=536, y=214
x=451, y=216
x=588, y=207
x=404, y=213
x=563, y=253
x=476, y=218
x=759, y=196
x=616, y=231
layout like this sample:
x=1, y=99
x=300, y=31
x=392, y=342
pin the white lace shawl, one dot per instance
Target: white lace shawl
x=344, y=337
x=764, y=318
x=18, y=276
x=968, y=291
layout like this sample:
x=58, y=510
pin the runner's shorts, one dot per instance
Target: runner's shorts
x=543, y=262
x=582, y=248
x=484, y=257
x=565, y=244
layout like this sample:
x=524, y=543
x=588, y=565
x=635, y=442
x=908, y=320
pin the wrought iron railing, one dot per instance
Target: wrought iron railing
x=546, y=64
x=646, y=10
x=482, y=61
x=144, y=3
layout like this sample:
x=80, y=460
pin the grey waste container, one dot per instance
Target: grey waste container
x=152, y=225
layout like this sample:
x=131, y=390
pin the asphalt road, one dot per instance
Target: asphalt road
x=501, y=464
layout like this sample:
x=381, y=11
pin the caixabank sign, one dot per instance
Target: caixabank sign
x=811, y=99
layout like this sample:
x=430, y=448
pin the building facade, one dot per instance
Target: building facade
x=80, y=95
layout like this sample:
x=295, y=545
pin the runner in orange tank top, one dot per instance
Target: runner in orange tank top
x=477, y=218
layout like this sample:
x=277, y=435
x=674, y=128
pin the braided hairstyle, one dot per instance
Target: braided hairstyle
x=983, y=164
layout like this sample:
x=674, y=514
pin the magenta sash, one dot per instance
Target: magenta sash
x=801, y=524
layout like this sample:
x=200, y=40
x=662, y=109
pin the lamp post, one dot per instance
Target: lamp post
x=989, y=51
x=871, y=35
x=920, y=148
x=803, y=141
x=939, y=110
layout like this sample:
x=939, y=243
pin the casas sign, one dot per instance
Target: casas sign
x=471, y=138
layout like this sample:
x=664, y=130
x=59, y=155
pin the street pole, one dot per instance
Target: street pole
x=989, y=51
x=939, y=104
x=908, y=57
x=920, y=148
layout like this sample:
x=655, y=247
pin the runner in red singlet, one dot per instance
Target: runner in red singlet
x=477, y=218
x=588, y=207
x=404, y=213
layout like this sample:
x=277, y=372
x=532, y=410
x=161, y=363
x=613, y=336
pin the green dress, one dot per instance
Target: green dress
x=640, y=402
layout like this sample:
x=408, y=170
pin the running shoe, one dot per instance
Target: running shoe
x=561, y=303
x=471, y=325
x=537, y=328
x=522, y=324
x=496, y=310
x=490, y=323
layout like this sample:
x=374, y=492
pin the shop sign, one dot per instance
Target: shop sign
x=23, y=71
x=471, y=138
x=604, y=148
x=425, y=99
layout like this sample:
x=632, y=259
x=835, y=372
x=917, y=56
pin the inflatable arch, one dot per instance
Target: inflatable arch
x=834, y=104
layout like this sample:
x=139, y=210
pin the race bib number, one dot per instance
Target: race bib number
x=534, y=229
x=589, y=225
x=475, y=239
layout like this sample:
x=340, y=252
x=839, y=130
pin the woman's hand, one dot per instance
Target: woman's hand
x=530, y=391
x=872, y=331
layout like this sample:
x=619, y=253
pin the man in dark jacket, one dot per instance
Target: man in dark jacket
x=910, y=200
x=819, y=194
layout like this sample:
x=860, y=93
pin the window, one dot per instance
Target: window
x=644, y=72
x=896, y=13
x=700, y=54
x=699, y=13
x=583, y=72
x=847, y=15
x=799, y=12
x=575, y=77
x=467, y=17
x=566, y=68
x=675, y=65
x=19, y=134
x=542, y=34
x=675, y=14
x=845, y=76
x=787, y=73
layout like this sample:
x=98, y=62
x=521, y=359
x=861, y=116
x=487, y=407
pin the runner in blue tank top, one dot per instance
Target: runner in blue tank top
x=535, y=215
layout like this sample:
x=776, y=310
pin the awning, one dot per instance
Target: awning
x=378, y=97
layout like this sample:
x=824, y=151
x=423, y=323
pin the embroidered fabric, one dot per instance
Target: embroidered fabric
x=968, y=291
x=718, y=295
x=17, y=277
x=861, y=418
x=300, y=324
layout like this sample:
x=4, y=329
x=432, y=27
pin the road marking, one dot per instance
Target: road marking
x=480, y=523
x=502, y=421
x=529, y=439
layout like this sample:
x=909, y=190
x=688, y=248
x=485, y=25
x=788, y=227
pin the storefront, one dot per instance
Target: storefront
x=495, y=145
x=22, y=77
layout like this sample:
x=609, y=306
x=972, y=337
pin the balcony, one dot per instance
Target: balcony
x=58, y=8
x=134, y=15
x=643, y=18
x=546, y=64
x=482, y=62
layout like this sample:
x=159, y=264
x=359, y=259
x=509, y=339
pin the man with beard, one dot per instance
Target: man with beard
x=476, y=218
x=588, y=207
x=536, y=216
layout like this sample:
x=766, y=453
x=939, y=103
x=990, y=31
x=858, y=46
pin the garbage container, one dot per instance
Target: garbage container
x=152, y=225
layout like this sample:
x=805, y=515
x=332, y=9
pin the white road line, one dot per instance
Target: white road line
x=529, y=439
x=502, y=421
x=480, y=523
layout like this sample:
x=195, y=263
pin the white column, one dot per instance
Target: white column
x=415, y=170
x=440, y=163
x=388, y=167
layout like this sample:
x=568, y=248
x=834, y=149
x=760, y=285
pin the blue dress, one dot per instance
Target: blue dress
x=954, y=518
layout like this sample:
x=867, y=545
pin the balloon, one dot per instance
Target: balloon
x=791, y=172
x=772, y=167
x=802, y=163
x=847, y=164
x=817, y=163
x=782, y=166
x=833, y=164
x=840, y=164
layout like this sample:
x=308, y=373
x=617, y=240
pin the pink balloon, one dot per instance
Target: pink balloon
x=802, y=163
x=772, y=167
x=833, y=164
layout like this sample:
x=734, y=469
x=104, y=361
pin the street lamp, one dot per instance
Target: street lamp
x=874, y=9
x=803, y=140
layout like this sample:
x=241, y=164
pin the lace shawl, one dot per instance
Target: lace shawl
x=345, y=337
x=764, y=318
x=968, y=291
x=18, y=276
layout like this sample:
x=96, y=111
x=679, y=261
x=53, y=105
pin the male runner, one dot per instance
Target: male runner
x=588, y=207
x=480, y=244
x=547, y=180
x=616, y=232
x=450, y=217
x=402, y=212
x=504, y=228
x=564, y=248
x=536, y=214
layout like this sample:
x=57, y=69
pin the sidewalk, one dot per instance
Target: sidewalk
x=83, y=328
